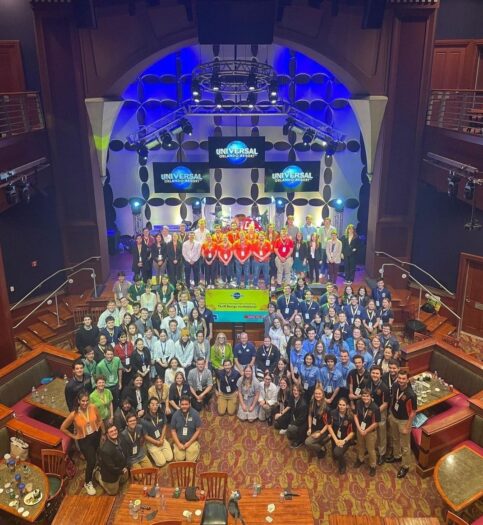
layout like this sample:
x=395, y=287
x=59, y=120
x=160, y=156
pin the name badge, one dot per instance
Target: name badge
x=370, y=324
x=296, y=254
x=377, y=303
x=145, y=367
x=164, y=300
x=112, y=379
x=225, y=256
x=295, y=370
x=396, y=406
x=314, y=421
x=140, y=259
x=267, y=362
x=307, y=316
x=139, y=406
x=138, y=297
x=134, y=450
x=261, y=253
x=287, y=310
x=357, y=391
x=339, y=434
x=306, y=386
x=184, y=432
x=363, y=425
x=209, y=256
x=228, y=389
x=243, y=253
x=160, y=257
x=128, y=361
x=283, y=250
x=329, y=389
x=157, y=434
x=89, y=429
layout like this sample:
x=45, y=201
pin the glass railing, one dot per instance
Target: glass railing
x=20, y=113
x=456, y=110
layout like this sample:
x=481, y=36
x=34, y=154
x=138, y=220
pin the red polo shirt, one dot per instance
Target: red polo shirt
x=284, y=247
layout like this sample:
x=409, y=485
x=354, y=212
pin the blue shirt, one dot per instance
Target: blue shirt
x=309, y=346
x=309, y=310
x=244, y=354
x=227, y=384
x=345, y=369
x=309, y=375
x=288, y=306
x=330, y=380
x=296, y=360
x=307, y=231
x=379, y=295
x=334, y=349
x=351, y=312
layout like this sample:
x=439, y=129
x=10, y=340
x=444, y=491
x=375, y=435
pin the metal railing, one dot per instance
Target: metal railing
x=51, y=276
x=421, y=287
x=20, y=113
x=456, y=110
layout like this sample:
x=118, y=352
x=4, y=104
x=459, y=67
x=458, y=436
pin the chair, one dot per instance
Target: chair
x=144, y=476
x=453, y=519
x=214, y=484
x=54, y=464
x=182, y=474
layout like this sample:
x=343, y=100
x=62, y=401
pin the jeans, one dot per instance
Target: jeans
x=195, y=267
x=226, y=272
x=265, y=268
x=245, y=267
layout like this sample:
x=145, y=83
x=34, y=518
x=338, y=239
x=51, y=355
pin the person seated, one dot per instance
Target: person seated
x=297, y=427
x=154, y=424
x=343, y=325
x=141, y=359
x=180, y=388
x=380, y=292
x=281, y=419
x=353, y=309
x=185, y=431
x=172, y=370
x=184, y=350
x=308, y=307
x=227, y=389
x=388, y=339
x=136, y=289
x=309, y=344
x=80, y=381
x=200, y=380
x=160, y=390
x=317, y=432
x=340, y=426
x=111, y=331
x=111, y=310
x=149, y=299
x=308, y=377
x=266, y=358
x=267, y=400
x=121, y=413
x=287, y=304
x=244, y=352
x=248, y=393
x=172, y=316
x=133, y=443
x=173, y=331
x=112, y=471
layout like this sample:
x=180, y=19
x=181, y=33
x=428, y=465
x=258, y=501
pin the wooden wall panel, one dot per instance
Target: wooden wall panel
x=455, y=64
x=11, y=68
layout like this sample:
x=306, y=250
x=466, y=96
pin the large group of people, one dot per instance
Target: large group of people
x=327, y=371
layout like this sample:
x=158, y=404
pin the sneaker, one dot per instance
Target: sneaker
x=381, y=460
x=90, y=488
x=402, y=472
x=296, y=444
x=282, y=431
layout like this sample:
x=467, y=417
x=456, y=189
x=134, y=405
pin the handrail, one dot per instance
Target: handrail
x=422, y=287
x=69, y=280
x=50, y=277
x=419, y=268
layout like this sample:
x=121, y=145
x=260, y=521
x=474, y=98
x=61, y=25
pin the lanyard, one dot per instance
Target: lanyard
x=399, y=395
x=354, y=311
x=364, y=413
x=359, y=378
x=130, y=437
x=155, y=425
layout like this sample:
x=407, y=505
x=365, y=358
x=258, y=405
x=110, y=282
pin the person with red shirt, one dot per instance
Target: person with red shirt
x=234, y=233
x=242, y=252
x=124, y=350
x=251, y=234
x=217, y=235
x=224, y=253
x=261, y=251
x=283, y=248
x=208, y=252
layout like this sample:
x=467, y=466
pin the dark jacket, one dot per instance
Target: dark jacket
x=112, y=461
x=299, y=412
x=349, y=247
x=85, y=338
x=145, y=258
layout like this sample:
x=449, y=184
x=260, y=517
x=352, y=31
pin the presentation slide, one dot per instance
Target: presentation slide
x=236, y=152
x=177, y=177
x=282, y=177
x=238, y=306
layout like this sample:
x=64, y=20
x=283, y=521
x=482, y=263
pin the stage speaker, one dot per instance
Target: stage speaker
x=373, y=14
x=85, y=14
x=235, y=22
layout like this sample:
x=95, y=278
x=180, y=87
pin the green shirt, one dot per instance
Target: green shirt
x=91, y=369
x=217, y=356
x=134, y=294
x=110, y=370
x=102, y=402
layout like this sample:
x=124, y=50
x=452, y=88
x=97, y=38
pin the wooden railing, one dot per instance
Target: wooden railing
x=456, y=110
x=20, y=113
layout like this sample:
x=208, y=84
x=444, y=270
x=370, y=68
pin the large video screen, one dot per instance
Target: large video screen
x=236, y=152
x=181, y=177
x=281, y=177
x=238, y=306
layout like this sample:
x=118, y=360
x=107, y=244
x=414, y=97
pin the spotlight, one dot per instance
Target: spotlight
x=287, y=126
x=469, y=191
x=453, y=181
x=142, y=153
x=186, y=126
x=136, y=206
x=215, y=82
x=196, y=207
x=308, y=137
x=273, y=87
x=251, y=82
x=251, y=100
x=339, y=205
x=279, y=205
x=166, y=140
x=196, y=99
x=219, y=100
x=11, y=194
x=195, y=87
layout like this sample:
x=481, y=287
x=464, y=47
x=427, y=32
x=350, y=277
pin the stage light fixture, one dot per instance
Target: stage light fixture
x=219, y=100
x=166, y=140
x=215, y=82
x=339, y=205
x=136, y=206
x=308, y=137
x=11, y=194
x=186, y=127
x=251, y=100
x=469, y=190
x=273, y=88
x=453, y=181
x=287, y=126
x=196, y=207
x=279, y=205
x=251, y=82
x=195, y=88
x=331, y=149
x=143, y=153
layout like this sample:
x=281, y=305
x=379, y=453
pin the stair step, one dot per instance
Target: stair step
x=29, y=339
x=50, y=319
x=435, y=322
x=64, y=312
x=445, y=329
x=40, y=330
x=425, y=316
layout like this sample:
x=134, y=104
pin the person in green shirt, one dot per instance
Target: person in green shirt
x=136, y=289
x=90, y=365
x=111, y=368
x=101, y=397
x=220, y=351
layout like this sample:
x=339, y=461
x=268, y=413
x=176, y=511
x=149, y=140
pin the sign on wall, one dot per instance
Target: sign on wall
x=177, y=177
x=282, y=177
x=236, y=152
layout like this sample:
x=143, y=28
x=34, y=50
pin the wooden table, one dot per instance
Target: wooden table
x=459, y=477
x=253, y=509
x=377, y=520
x=39, y=481
x=86, y=510
x=434, y=397
x=54, y=388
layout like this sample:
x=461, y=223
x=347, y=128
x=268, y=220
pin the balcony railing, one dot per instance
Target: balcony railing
x=456, y=110
x=20, y=113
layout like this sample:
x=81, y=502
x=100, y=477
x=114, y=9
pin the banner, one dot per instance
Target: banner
x=177, y=177
x=238, y=306
x=282, y=177
x=236, y=152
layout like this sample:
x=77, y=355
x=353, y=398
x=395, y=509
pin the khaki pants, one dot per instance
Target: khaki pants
x=144, y=463
x=160, y=455
x=267, y=411
x=190, y=454
x=316, y=444
x=382, y=436
x=401, y=443
x=227, y=404
x=367, y=442
x=283, y=270
x=111, y=489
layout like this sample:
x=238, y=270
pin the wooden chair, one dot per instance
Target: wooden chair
x=182, y=473
x=54, y=464
x=214, y=484
x=144, y=476
x=453, y=519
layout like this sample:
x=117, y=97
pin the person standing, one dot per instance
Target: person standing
x=314, y=257
x=87, y=335
x=242, y=252
x=287, y=304
x=158, y=256
x=154, y=424
x=80, y=381
x=300, y=254
x=185, y=431
x=261, y=250
x=366, y=418
x=325, y=235
x=283, y=249
x=141, y=259
x=101, y=397
x=380, y=395
x=112, y=470
x=292, y=230
x=248, y=394
x=191, y=256
x=333, y=250
x=111, y=368
x=402, y=411
x=174, y=259
x=350, y=249
x=208, y=251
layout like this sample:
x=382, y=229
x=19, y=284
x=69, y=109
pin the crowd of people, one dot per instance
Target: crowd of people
x=327, y=372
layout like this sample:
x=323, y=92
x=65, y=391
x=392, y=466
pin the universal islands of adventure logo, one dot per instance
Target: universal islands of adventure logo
x=292, y=176
x=237, y=152
x=182, y=178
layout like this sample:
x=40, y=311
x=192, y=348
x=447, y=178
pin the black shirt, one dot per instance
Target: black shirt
x=73, y=387
x=153, y=425
x=84, y=338
x=299, y=412
x=403, y=402
x=174, y=394
x=340, y=423
x=367, y=415
x=112, y=460
x=389, y=381
x=379, y=392
x=227, y=384
x=358, y=381
x=317, y=417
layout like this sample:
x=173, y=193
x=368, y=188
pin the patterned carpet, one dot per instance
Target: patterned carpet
x=254, y=452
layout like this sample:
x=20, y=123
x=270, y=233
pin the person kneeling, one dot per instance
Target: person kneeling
x=154, y=423
x=185, y=431
x=297, y=428
x=133, y=443
x=268, y=400
x=200, y=381
x=317, y=433
x=112, y=470
x=340, y=429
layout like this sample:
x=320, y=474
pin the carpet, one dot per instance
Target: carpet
x=255, y=453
